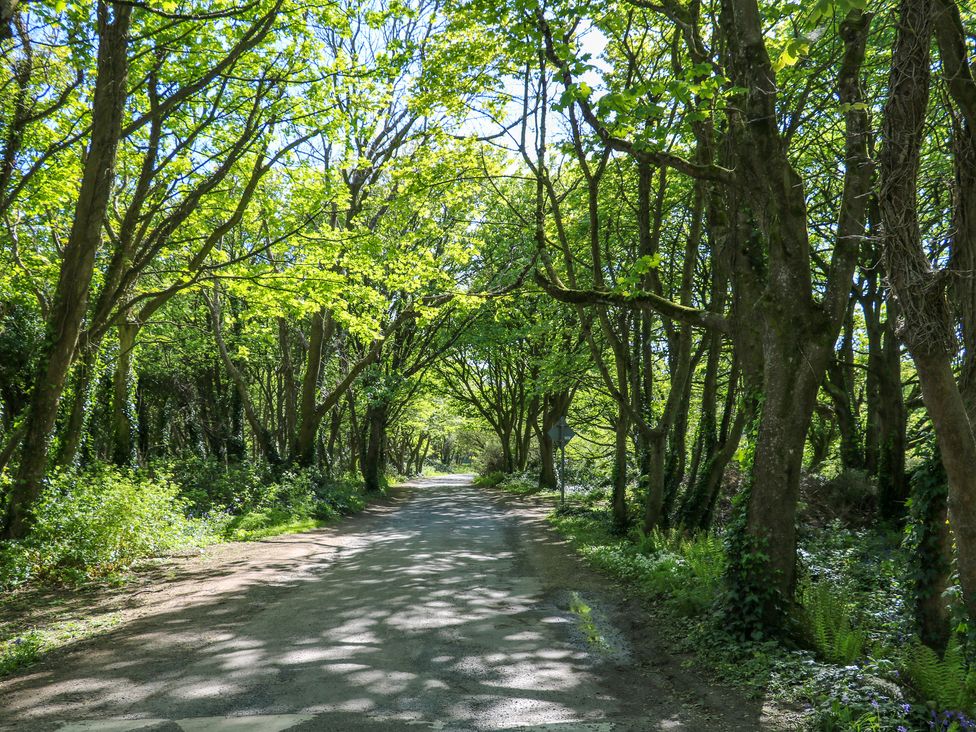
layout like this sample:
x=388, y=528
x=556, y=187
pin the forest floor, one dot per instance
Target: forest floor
x=444, y=607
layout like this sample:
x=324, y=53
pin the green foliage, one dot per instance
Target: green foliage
x=297, y=501
x=852, y=683
x=212, y=485
x=20, y=651
x=490, y=480
x=829, y=623
x=522, y=484
x=879, y=714
x=703, y=553
x=98, y=522
x=946, y=682
x=685, y=572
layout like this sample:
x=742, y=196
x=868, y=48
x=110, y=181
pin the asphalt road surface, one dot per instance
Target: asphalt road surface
x=447, y=608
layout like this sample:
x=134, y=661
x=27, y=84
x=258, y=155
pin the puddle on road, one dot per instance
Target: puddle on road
x=585, y=614
x=599, y=633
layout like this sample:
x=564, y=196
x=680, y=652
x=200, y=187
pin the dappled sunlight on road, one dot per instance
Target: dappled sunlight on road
x=428, y=616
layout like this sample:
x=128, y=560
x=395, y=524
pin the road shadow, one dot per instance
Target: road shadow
x=447, y=612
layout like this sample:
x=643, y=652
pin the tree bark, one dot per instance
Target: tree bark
x=555, y=406
x=840, y=386
x=930, y=557
x=303, y=448
x=892, y=425
x=122, y=418
x=618, y=500
x=798, y=332
x=374, y=453
x=74, y=283
x=928, y=324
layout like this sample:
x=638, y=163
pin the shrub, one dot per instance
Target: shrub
x=520, y=484
x=685, y=571
x=492, y=459
x=98, y=522
x=209, y=484
x=849, y=497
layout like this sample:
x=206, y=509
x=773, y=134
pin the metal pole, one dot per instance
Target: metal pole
x=562, y=474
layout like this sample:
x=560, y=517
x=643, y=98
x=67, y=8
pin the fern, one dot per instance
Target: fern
x=830, y=627
x=704, y=553
x=947, y=682
x=654, y=542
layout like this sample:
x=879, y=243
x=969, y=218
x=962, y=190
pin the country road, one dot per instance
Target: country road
x=446, y=608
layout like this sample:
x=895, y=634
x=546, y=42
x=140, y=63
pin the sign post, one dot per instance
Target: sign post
x=560, y=434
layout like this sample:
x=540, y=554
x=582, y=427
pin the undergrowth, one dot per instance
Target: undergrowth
x=517, y=484
x=947, y=681
x=843, y=675
x=829, y=622
x=95, y=524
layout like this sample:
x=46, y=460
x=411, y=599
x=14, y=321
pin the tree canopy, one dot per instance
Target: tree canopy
x=732, y=240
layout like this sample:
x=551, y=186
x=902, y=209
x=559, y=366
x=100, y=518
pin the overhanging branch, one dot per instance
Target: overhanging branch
x=639, y=299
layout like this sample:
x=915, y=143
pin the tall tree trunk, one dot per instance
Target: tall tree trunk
x=143, y=422
x=654, y=447
x=554, y=408
x=73, y=431
x=959, y=67
x=698, y=507
x=892, y=424
x=618, y=500
x=122, y=417
x=840, y=386
x=677, y=449
x=74, y=283
x=303, y=450
x=263, y=439
x=886, y=424
x=355, y=434
x=374, y=454
x=928, y=323
x=798, y=332
x=930, y=553
x=335, y=426
x=289, y=397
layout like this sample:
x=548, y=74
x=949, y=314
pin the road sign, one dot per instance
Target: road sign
x=561, y=433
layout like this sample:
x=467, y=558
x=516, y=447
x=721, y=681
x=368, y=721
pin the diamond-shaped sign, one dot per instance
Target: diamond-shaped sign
x=561, y=433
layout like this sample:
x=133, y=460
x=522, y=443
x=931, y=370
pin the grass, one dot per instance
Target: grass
x=20, y=650
x=683, y=573
x=516, y=484
x=273, y=522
